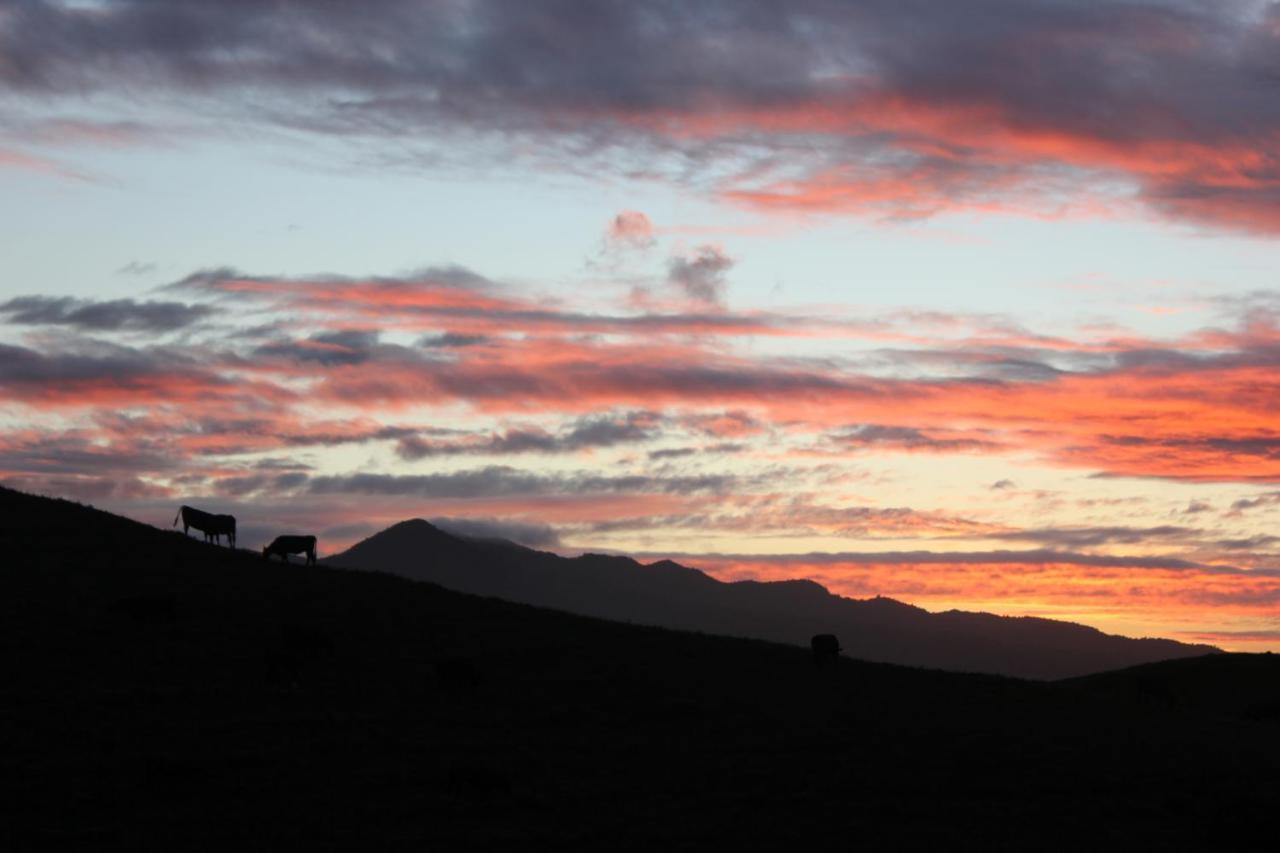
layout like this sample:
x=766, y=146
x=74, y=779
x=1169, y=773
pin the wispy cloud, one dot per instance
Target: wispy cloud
x=894, y=110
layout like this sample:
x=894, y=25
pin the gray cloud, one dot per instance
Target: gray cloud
x=903, y=438
x=33, y=370
x=701, y=274
x=1087, y=537
x=106, y=316
x=591, y=431
x=1117, y=74
x=136, y=268
x=682, y=452
x=1264, y=500
x=504, y=481
x=87, y=488
x=68, y=454
x=329, y=349
x=1251, y=543
x=451, y=340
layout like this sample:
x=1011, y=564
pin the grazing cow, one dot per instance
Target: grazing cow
x=212, y=526
x=286, y=545
x=826, y=648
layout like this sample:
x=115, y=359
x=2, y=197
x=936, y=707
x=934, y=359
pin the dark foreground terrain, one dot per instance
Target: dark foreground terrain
x=162, y=694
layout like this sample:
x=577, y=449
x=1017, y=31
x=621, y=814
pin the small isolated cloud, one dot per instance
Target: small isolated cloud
x=631, y=229
x=136, y=268
x=1195, y=507
x=1002, y=485
x=701, y=274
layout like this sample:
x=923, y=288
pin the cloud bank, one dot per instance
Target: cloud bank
x=879, y=107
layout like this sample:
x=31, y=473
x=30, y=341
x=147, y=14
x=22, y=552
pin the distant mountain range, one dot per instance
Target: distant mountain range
x=670, y=595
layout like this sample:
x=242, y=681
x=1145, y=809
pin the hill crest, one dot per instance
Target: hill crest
x=671, y=595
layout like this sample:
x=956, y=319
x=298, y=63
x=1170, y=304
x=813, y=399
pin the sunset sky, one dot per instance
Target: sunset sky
x=969, y=304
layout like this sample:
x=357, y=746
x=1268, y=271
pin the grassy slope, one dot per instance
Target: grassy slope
x=162, y=694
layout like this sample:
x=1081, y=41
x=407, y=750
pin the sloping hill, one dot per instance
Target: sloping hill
x=674, y=596
x=1236, y=686
x=163, y=694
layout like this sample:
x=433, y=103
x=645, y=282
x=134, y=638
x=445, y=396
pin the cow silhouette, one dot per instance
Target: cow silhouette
x=286, y=545
x=212, y=526
x=826, y=648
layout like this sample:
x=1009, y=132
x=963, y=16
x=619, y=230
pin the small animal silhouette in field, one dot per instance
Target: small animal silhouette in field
x=212, y=526
x=826, y=648
x=286, y=545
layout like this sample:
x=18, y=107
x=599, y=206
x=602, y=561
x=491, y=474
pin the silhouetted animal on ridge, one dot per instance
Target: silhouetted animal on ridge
x=286, y=545
x=826, y=648
x=212, y=526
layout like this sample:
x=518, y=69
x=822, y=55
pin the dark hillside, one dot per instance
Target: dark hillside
x=1237, y=686
x=669, y=595
x=162, y=694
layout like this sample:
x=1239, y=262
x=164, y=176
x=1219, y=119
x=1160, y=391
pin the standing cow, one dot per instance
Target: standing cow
x=286, y=545
x=212, y=526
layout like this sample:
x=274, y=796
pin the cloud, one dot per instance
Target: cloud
x=585, y=433
x=889, y=109
x=1264, y=500
x=1087, y=537
x=531, y=534
x=343, y=347
x=504, y=481
x=700, y=275
x=683, y=452
x=137, y=268
x=451, y=340
x=103, y=316
x=632, y=230
x=1193, y=408
x=78, y=453
x=1031, y=557
x=88, y=488
x=908, y=439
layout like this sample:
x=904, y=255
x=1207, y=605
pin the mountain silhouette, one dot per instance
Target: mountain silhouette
x=161, y=693
x=670, y=595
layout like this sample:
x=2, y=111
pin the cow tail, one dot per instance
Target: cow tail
x=176, y=517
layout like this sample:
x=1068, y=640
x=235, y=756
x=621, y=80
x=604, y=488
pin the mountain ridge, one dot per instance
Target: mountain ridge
x=669, y=594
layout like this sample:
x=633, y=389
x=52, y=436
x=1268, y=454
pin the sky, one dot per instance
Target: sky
x=971, y=304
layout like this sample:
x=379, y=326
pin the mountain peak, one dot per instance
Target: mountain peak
x=667, y=594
